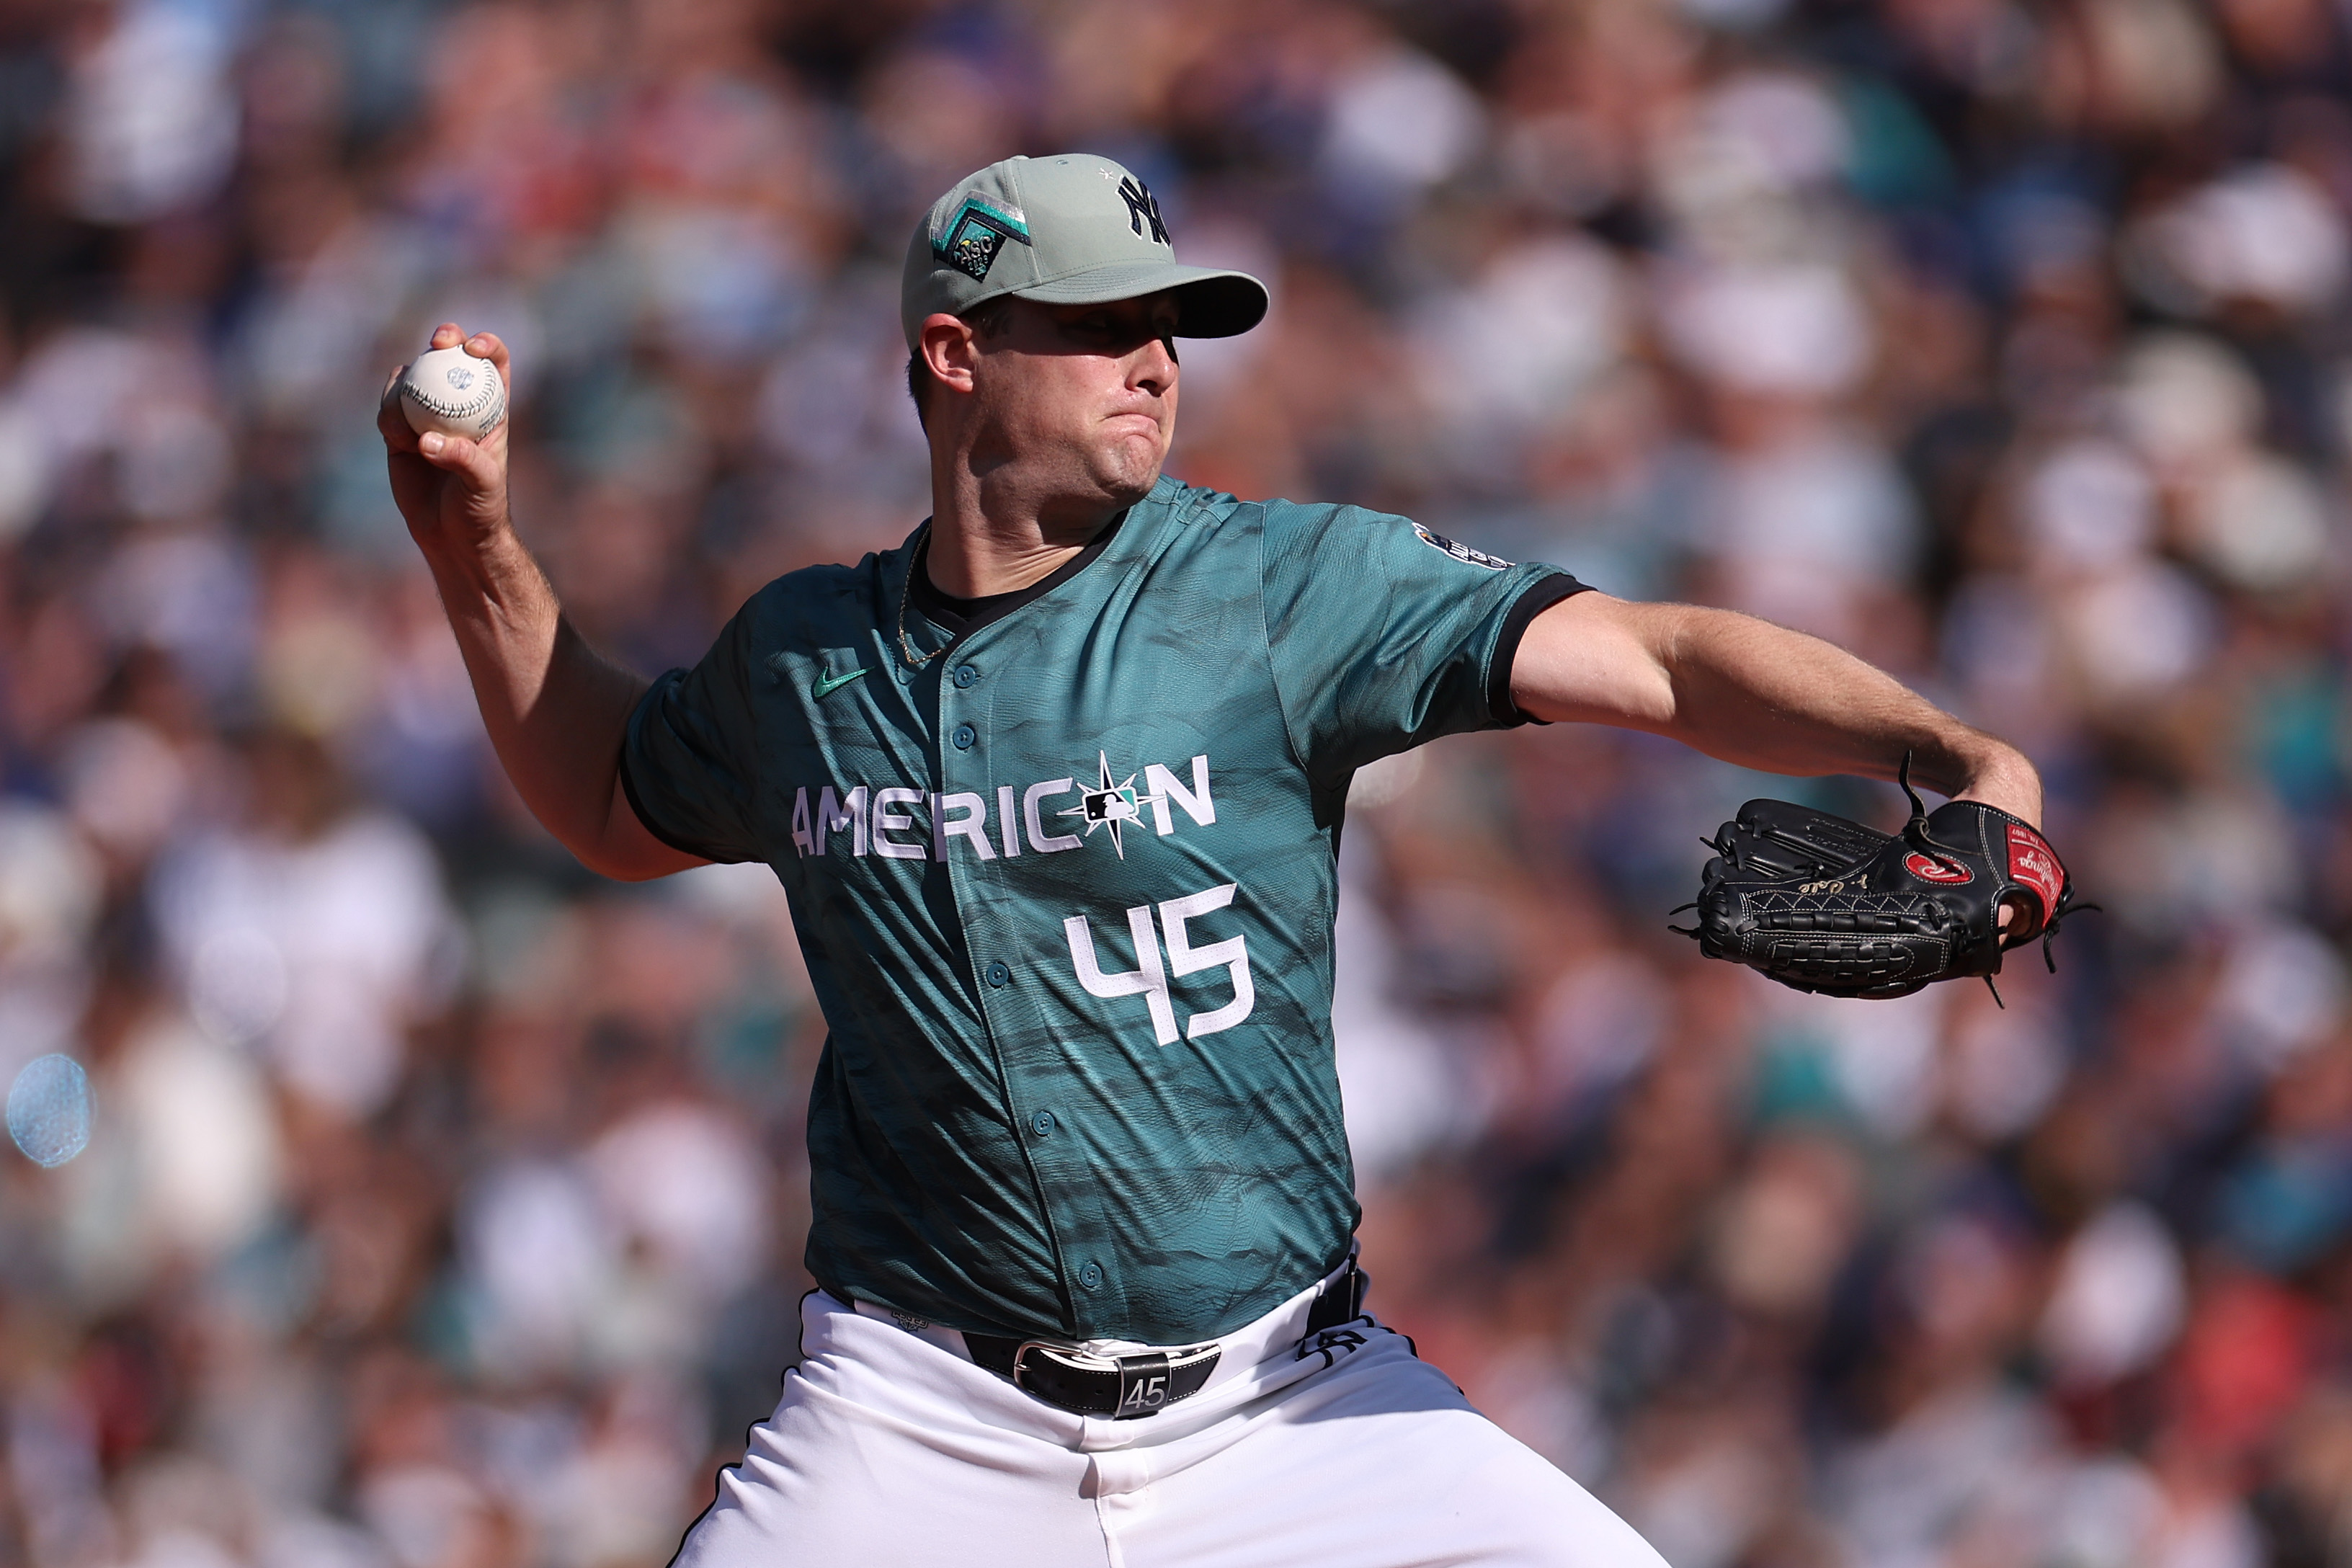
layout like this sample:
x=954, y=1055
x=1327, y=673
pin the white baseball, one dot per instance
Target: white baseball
x=453, y=391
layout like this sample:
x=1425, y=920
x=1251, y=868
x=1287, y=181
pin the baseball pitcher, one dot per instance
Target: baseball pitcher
x=1055, y=789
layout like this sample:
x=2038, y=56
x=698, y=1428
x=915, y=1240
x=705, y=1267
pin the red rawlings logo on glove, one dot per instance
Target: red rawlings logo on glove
x=2033, y=862
x=1929, y=870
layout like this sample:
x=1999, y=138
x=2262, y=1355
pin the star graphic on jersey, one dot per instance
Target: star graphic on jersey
x=1111, y=805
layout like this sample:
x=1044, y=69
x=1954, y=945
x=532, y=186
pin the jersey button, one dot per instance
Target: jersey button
x=1042, y=1124
x=965, y=675
x=1090, y=1276
x=998, y=975
x=963, y=735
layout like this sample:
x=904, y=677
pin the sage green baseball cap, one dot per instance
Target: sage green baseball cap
x=1073, y=229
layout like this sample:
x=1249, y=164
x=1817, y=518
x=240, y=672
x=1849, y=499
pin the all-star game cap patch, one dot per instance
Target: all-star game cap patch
x=976, y=232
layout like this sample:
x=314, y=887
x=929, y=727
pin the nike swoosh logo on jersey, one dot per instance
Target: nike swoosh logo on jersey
x=826, y=685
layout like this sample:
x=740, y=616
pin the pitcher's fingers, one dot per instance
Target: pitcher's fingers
x=2015, y=922
x=392, y=422
x=448, y=335
x=475, y=468
x=493, y=348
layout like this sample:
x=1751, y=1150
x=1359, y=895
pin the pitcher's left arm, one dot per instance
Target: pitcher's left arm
x=1762, y=696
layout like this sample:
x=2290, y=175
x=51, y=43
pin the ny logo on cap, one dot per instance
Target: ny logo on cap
x=1142, y=207
x=977, y=232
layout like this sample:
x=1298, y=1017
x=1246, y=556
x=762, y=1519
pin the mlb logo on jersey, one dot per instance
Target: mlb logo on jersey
x=1110, y=806
x=1114, y=805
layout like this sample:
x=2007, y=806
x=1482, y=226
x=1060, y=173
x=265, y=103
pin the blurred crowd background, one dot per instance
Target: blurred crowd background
x=442, y=1204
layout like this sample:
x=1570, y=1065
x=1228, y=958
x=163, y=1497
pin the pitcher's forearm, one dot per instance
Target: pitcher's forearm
x=1756, y=694
x=1779, y=701
x=555, y=709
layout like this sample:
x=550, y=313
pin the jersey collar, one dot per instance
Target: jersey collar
x=1133, y=536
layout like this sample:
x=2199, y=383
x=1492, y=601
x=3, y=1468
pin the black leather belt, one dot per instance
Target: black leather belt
x=1127, y=1388
x=1122, y=1387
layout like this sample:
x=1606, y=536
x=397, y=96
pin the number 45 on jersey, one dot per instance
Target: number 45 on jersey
x=1150, y=978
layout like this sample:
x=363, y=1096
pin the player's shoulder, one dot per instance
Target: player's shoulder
x=1198, y=503
x=1190, y=507
x=1298, y=539
x=831, y=597
x=1304, y=535
x=1216, y=514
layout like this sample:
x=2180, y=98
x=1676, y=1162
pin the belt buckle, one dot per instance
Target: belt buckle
x=1143, y=1381
x=1020, y=1358
x=1072, y=1358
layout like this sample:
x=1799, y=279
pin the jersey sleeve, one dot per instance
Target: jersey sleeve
x=1384, y=634
x=686, y=761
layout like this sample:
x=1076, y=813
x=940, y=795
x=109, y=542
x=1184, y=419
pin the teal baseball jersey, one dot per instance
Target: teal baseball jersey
x=1064, y=871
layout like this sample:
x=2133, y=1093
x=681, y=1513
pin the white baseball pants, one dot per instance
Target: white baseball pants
x=890, y=1446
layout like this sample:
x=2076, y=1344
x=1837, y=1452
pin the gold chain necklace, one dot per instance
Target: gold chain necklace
x=914, y=564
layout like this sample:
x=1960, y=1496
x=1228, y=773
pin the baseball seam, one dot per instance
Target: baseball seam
x=448, y=410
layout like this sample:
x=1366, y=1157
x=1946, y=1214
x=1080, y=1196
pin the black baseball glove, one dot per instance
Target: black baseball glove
x=1823, y=904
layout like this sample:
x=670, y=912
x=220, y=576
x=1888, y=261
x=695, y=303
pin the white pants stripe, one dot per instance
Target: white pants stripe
x=889, y=1448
